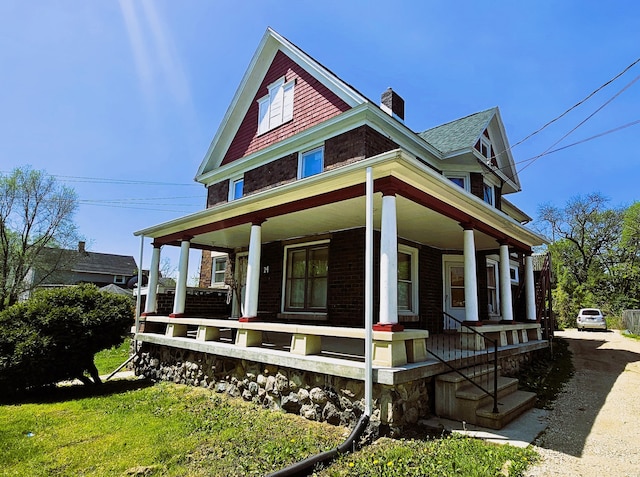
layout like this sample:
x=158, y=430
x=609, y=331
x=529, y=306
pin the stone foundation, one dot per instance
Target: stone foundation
x=318, y=397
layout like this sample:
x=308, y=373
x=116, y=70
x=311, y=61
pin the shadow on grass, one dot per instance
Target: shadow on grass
x=62, y=393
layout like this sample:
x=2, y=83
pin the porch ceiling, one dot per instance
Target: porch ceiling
x=415, y=223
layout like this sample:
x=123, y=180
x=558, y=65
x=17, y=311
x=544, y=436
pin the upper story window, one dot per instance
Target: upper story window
x=306, y=278
x=236, y=188
x=311, y=162
x=459, y=179
x=488, y=194
x=276, y=107
x=119, y=279
x=218, y=269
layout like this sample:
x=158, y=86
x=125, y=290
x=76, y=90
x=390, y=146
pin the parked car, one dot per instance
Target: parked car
x=591, y=319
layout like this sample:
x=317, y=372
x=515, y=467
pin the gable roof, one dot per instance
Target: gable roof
x=91, y=262
x=270, y=45
x=458, y=134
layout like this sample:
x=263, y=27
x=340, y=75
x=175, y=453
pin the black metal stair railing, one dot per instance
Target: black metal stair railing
x=445, y=348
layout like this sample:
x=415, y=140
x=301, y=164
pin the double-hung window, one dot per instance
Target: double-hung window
x=311, y=162
x=488, y=194
x=276, y=107
x=460, y=179
x=407, y=280
x=236, y=188
x=492, y=288
x=218, y=269
x=307, y=273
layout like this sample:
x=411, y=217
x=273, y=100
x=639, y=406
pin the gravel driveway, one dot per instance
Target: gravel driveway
x=593, y=428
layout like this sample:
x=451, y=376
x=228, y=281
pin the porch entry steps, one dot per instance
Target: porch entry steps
x=458, y=399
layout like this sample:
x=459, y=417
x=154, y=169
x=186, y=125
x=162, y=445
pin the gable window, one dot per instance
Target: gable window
x=487, y=193
x=236, y=188
x=407, y=280
x=119, y=279
x=485, y=147
x=218, y=269
x=311, y=162
x=276, y=107
x=307, y=272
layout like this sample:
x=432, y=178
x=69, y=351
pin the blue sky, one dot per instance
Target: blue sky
x=120, y=99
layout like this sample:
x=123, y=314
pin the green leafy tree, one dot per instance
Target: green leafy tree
x=35, y=216
x=54, y=335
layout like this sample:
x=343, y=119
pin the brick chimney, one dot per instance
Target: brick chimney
x=81, y=247
x=392, y=104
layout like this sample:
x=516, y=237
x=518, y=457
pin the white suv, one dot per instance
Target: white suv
x=591, y=319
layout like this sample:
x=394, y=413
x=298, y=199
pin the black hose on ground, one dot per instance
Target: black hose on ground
x=305, y=466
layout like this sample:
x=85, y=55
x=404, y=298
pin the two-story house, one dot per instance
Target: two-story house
x=286, y=220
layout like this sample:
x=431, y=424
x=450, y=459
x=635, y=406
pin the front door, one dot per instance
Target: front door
x=454, y=293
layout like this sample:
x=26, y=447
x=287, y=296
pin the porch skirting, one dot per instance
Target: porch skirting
x=312, y=395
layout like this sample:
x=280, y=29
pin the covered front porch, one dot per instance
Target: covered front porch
x=387, y=234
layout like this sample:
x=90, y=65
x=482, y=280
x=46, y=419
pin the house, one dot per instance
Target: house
x=63, y=267
x=289, y=175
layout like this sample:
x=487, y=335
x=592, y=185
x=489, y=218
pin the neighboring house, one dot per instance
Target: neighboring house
x=286, y=206
x=63, y=267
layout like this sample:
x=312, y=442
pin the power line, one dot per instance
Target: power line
x=576, y=105
x=532, y=160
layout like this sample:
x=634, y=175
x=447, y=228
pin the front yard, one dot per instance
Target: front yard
x=134, y=428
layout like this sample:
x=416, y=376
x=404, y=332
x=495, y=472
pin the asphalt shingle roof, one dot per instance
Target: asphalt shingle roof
x=458, y=134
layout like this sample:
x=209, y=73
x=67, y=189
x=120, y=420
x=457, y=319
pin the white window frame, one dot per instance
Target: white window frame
x=276, y=107
x=514, y=273
x=119, y=279
x=215, y=260
x=301, y=157
x=496, y=278
x=232, y=183
x=460, y=175
x=413, y=253
x=489, y=186
x=485, y=142
x=283, y=302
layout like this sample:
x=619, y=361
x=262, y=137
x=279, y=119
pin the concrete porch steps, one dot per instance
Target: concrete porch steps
x=458, y=399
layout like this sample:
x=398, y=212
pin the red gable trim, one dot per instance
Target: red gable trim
x=313, y=104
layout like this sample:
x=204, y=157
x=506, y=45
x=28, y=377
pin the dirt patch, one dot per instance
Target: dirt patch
x=593, y=424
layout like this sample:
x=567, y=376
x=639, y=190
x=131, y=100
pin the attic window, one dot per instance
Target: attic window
x=484, y=146
x=276, y=108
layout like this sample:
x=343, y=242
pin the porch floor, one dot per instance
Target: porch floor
x=339, y=356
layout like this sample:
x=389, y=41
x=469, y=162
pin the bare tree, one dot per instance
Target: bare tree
x=35, y=216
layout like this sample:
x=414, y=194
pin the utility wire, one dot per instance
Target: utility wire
x=546, y=151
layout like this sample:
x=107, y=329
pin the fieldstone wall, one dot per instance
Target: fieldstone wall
x=317, y=397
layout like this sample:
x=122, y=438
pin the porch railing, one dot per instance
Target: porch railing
x=448, y=352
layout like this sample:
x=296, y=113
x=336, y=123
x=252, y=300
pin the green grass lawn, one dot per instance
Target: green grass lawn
x=109, y=359
x=132, y=428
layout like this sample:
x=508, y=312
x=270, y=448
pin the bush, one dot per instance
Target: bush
x=54, y=335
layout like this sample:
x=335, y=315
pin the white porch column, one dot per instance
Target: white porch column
x=253, y=272
x=388, y=263
x=530, y=287
x=181, y=282
x=470, y=277
x=506, y=303
x=150, y=306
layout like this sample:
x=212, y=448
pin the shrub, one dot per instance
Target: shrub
x=54, y=335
